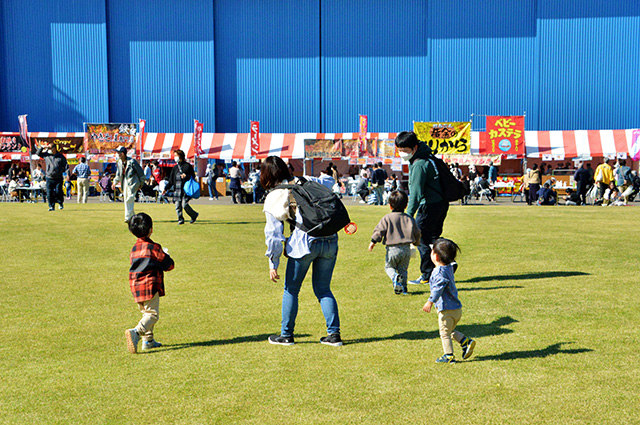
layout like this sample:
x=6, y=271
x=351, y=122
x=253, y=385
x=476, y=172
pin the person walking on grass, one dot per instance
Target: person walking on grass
x=425, y=197
x=82, y=172
x=444, y=296
x=56, y=167
x=180, y=174
x=131, y=177
x=149, y=261
x=397, y=231
x=302, y=250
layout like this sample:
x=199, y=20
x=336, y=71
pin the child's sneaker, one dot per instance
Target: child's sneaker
x=418, y=281
x=281, y=340
x=132, y=340
x=333, y=339
x=468, y=345
x=148, y=345
x=446, y=358
x=404, y=290
x=397, y=288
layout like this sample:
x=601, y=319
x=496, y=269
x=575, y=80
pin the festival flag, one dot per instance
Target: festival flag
x=255, y=138
x=447, y=138
x=505, y=135
x=635, y=145
x=197, y=137
x=140, y=144
x=22, y=119
x=362, y=136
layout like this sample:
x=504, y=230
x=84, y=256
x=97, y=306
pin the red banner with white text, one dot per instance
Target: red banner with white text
x=505, y=135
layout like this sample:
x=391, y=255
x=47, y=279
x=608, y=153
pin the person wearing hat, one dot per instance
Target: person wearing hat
x=131, y=175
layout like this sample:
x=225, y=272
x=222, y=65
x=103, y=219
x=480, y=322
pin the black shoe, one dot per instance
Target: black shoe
x=333, y=339
x=455, y=266
x=180, y=222
x=281, y=340
x=50, y=208
x=193, y=220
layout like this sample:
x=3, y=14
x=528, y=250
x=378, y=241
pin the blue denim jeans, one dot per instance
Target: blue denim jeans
x=324, y=252
x=397, y=262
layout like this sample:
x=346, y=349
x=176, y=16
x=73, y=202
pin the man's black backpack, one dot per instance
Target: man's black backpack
x=323, y=213
x=452, y=189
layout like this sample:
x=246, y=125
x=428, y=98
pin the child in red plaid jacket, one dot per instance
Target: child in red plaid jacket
x=146, y=279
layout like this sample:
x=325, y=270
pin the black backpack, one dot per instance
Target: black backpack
x=323, y=213
x=451, y=189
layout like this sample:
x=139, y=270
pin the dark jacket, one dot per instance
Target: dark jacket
x=180, y=168
x=56, y=164
x=424, y=185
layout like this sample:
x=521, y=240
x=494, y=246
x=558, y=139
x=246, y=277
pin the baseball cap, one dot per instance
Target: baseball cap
x=121, y=149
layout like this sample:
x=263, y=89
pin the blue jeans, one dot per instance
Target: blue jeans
x=212, y=189
x=324, y=252
x=54, y=191
x=396, y=263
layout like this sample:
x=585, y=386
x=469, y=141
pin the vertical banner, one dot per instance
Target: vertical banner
x=255, y=138
x=22, y=119
x=140, y=147
x=197, y=137
x=505, y=135
x=362, y=136
x=447, y=138
x=635, y=145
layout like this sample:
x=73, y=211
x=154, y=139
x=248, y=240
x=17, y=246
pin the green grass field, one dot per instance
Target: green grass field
x=550, y=294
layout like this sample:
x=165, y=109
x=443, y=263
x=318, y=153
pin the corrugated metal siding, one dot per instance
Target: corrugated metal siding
x=482, y=61
x=79, y=75
x=162, y=64
x=267, y=65
x=589, y=65
x=30, y=33
x=374, y=62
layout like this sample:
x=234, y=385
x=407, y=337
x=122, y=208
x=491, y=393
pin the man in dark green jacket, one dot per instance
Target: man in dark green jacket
x=425, y=197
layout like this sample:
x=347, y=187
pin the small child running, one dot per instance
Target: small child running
x=397, y=230
x=146, y=279
x=445, y=297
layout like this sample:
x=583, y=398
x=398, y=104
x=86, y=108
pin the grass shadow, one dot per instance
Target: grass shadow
x=215, y=342
x=490, y=288
x=551, y=350
x=526, y=276
x=497, y=327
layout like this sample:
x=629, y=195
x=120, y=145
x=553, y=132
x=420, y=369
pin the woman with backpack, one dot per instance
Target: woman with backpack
x=301, y=249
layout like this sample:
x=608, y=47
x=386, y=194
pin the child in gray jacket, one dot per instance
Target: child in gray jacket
x=397, y=230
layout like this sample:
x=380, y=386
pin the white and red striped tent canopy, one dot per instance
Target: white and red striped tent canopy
x=228, y=146
x=578, y=143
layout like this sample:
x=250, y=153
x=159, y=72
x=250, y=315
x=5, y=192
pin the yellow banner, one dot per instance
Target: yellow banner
x=448, y=138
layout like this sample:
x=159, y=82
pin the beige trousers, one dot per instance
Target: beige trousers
x=150, y=310
x=447, y=321
x=83, y=190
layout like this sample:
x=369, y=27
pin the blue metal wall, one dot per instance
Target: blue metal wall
x=314, y=65
x=267, y=65
x=54, y=64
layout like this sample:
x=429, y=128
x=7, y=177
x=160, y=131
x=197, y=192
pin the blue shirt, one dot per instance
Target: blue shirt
x=324, y=179
x=493, y=174
x=444, y=294
x=82, y=170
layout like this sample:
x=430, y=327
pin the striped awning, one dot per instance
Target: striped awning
x=578, y=143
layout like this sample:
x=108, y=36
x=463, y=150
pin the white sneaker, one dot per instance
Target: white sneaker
x=211, y=199
x=132, y=340
x=147, y=345
x=362, y=202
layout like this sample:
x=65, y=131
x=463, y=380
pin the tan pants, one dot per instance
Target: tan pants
x=129, y=197
x=150, y=310
x=447, y=321
x=83, y=190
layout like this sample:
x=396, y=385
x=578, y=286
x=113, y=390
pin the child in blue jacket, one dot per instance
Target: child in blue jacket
x=444, y=296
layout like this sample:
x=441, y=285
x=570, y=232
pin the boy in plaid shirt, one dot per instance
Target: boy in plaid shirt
x=146, y=277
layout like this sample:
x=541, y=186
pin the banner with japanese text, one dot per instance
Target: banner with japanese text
x=104, y=138
x=13, y=142
x=198, y=127
x=505, y=135
x=446, y=138
x=364, y=125
x=24, y=133
x=322, y=148
x=255, y=138
x=65, y=145
x=387, y=149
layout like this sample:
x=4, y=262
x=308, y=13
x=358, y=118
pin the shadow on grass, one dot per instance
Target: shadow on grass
x=497, y=327
x=490, y=288
x=526, y=276
x=215, y=342
x=210, y=222
x=551, y=350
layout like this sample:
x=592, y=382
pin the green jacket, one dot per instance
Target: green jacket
x=424, y=185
